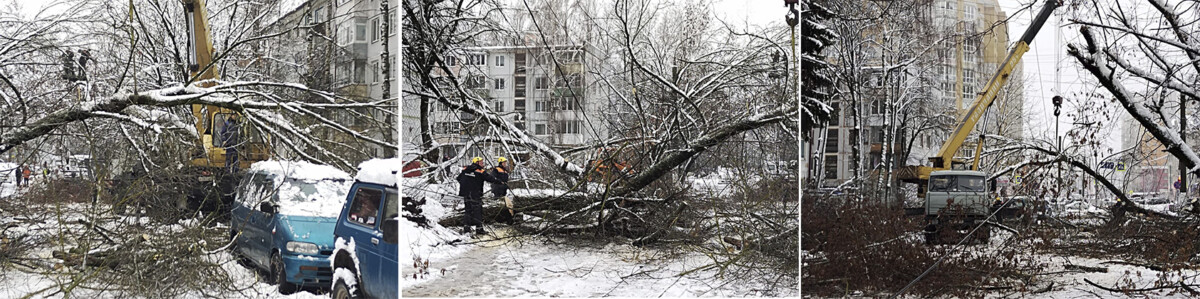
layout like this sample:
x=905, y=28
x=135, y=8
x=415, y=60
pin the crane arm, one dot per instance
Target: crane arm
x=945, y=155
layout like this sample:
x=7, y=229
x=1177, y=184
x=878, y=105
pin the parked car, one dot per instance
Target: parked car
x=365, y=257
x=283, y=219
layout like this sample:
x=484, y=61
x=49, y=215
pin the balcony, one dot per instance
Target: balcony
x=566, y=92
x=482, y=93
x=571, y=67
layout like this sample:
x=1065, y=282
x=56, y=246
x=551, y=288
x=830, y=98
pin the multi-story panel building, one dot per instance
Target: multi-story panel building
x=358, y=63
x=542, y=90
x=337, y=45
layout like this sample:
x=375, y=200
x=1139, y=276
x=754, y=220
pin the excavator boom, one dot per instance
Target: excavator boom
x=210, y=119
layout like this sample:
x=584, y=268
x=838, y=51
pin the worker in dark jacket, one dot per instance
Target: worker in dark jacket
x=501, y=190
x=470, y=187
x=231, y=137
x=501, y=174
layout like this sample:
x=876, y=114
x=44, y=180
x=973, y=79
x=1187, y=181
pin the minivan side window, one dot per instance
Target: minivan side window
x=391, y=208
x=264, y=190
x=365, y=207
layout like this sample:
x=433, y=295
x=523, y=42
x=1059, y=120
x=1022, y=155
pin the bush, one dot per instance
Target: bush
x=871, y=247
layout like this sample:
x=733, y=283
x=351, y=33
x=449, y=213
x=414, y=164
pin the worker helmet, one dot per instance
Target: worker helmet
x=501, y=160
x=476, y=159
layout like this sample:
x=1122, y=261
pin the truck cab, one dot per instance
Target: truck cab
x=967, y=188
x=957, y=200
x=366, y=235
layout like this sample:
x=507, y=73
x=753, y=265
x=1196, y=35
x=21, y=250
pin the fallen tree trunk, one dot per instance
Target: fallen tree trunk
x=494, y=210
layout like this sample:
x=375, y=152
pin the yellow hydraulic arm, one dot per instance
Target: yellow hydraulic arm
x=208, y=118
x=944, y=158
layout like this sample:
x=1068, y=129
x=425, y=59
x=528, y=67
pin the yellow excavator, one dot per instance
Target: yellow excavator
x=215, y=179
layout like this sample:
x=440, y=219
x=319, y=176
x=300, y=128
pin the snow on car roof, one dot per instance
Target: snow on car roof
x=380, y=171
x=299, y=170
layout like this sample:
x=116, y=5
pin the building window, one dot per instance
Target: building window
x=541, y=82
x=567, y=104
x=539, y=129
x=445, y=127
x=499, y=105
x=835, y=116
x=344, y=34
x=499, y=60
x=375, y=29
x=569, y=126
x=374, y=72
x=499, y=83
x=451, y=60
x=360, y=30
x=831, y=165
x=540, y=106
x=476, y=82
x=360, y=71
x=392, y=22
x=831, y=141
x=317, y=15
x=519, y=86
x=476, y=59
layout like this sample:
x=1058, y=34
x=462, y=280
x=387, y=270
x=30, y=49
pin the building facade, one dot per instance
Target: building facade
x=541, y=90
x=337, y=45
x=974, y=44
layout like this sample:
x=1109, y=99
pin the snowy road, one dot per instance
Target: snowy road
x=516, y=269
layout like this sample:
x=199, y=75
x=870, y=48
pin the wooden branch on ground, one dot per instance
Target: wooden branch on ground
x=1128, y=290
x=1147, y=266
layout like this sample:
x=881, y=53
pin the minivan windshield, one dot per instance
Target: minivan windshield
x=322, y=198
x=956, y=183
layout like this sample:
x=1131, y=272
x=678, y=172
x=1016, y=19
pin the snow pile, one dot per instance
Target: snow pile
x=379, y=171
x=426, y=244
x=8, y=183
x=537, y=192
x=299, y=170
x=346, y=275
x=306, y=189
x=321, y=198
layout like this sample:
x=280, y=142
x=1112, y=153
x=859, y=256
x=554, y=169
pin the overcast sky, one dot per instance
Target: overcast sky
x=1049, y=71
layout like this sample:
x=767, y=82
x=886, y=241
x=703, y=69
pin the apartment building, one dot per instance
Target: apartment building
x=976, y=43
x=541, y=90
x=337, y=45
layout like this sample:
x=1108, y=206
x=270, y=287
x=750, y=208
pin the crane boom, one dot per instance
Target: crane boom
x=967, y=123
x=944, y=159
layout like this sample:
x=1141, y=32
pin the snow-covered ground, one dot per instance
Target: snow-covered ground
x=499, y=266
x=521, y=269
x=41, y=275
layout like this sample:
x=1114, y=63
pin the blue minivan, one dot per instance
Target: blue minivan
x=283, y=218
x=365, y=256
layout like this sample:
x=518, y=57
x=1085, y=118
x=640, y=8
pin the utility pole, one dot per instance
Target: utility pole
x=1057, y=100
x=1183, y=182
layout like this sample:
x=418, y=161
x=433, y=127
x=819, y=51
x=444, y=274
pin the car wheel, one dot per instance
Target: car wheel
x=279, y=276
x=342, y=291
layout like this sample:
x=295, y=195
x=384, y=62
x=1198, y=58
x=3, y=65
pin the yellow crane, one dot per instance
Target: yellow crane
x=944, y=160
